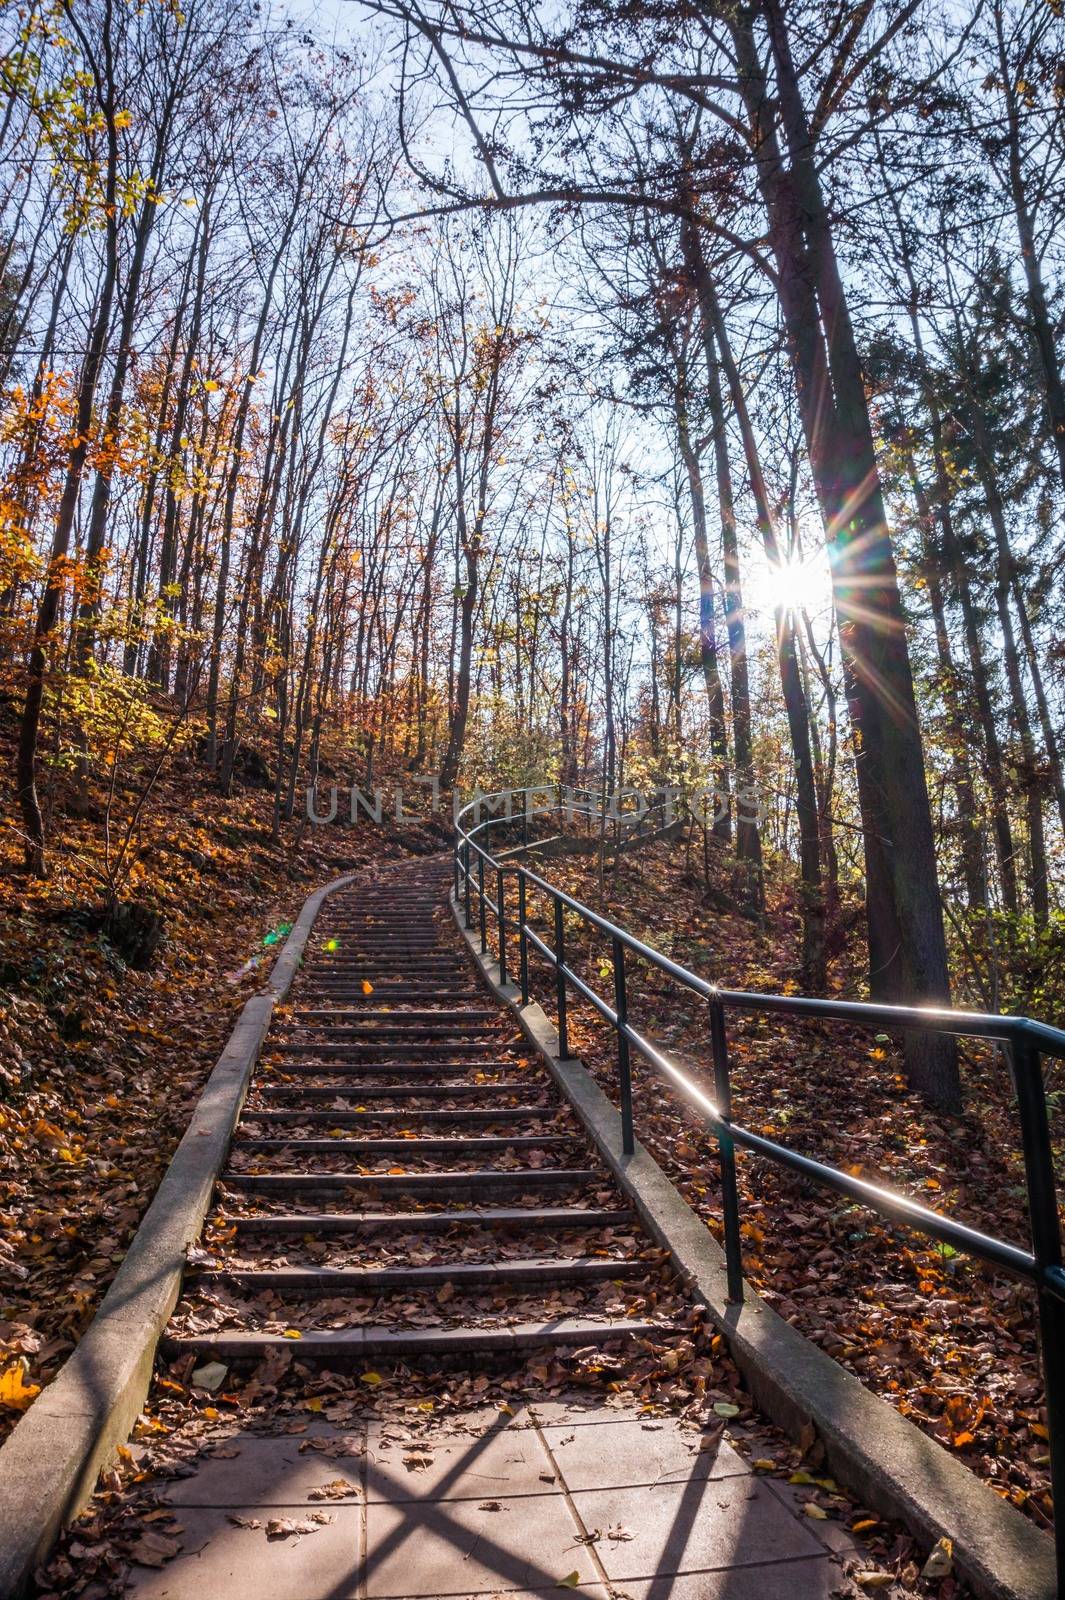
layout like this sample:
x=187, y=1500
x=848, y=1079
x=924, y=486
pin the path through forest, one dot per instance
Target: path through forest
x=407, y=1186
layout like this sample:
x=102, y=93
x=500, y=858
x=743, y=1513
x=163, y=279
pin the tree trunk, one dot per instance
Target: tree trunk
x=907, y=946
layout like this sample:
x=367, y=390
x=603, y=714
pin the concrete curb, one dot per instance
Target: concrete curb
x=50, y=1462
x=869, y=1446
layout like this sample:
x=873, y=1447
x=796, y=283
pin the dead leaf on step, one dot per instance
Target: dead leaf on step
x=155, y=1549
x=243, y=1522
x=874, y=1580
x=287, y=1527
x=417, y=1461
x=489, y=1505
x=338, y=1489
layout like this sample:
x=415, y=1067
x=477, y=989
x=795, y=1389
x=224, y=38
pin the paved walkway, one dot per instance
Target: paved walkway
x=540, y=1503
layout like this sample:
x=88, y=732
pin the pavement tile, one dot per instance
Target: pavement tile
x=269, y=1471
x=817, y=1578
x=605, y=1456
x=243, y=1564
x=454, y=1547
x=692, y=1527
x=503, y=1460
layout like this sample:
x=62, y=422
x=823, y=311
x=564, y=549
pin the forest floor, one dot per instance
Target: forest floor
x=952, y=1345
x=101, y=1063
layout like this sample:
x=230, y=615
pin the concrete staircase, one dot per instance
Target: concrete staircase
x=406, y=1179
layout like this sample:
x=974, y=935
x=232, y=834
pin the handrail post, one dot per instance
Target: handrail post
x=480, y=903
x=525, y=819
x=628, y=1143
x=501, y=911
x=730, y=1201
x=523, y=943
x=466, y=877
x=560, y=981
x=455, y=862
x=1046, y=1247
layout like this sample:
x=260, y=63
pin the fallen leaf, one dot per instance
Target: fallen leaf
x=286, y=1528
x=570, y=1581
x=154, y=1549
x=940, y=1563
x=14, y=1390
x=209, y=1376
x=874, y=1580
x=337, y=1489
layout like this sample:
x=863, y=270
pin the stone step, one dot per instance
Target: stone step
x=547, y=1219
x=340, y=1015
x=412, y=1147
x=384, y=1091
x=356, y=1280
x=394, y=1069
x=400, y=994
x=373, y=1048
x=339, y=1347
x=452, y=1184
x=355, y=1119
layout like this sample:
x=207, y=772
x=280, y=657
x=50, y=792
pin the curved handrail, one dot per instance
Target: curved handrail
x=1023, y=1037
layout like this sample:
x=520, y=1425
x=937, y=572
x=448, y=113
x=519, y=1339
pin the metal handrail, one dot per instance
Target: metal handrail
x=1023, y=1037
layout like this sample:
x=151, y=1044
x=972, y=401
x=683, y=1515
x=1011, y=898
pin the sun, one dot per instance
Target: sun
x=801, y=585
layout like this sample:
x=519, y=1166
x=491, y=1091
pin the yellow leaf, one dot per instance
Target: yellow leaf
x=292, y=1333
x=372, y=1378
x=367, y=986
x=570, y=1581
x=863, y=1525
x=211, y=1412
x=210, y=385
x=14, y=1390
x=764, y=1465
x=810, y=1510
x=312, y=1405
